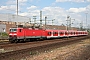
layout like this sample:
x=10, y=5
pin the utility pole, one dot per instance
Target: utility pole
x=86, y=20
x=69, y=23
x=81, y=26
x=34, y=17
x=40, y=19
x=68, y=19
x=72, y=23
x=45, y=22
x=52, y=21
x=17, y=7
x=17, y=13
x=30, y=20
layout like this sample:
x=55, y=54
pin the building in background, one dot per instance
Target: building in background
x=8, y=20
x=2, y=28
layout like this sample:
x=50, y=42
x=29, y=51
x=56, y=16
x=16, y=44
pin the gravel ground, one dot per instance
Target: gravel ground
x=76, y=51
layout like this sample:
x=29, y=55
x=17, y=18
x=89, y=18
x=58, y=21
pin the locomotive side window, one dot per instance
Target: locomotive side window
x=20, y=30
x=13, y=30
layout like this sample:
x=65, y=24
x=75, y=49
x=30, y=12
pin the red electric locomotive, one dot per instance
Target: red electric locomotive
x=17, y=34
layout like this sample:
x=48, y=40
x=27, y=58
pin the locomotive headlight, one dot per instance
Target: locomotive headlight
x=14, y=34
x=10, y=34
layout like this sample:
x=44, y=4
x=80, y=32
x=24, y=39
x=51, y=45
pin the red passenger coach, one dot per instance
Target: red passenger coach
x=72, y=32
x=49, y=33
x=52, y=33
x=56, y=33
x=62, y=33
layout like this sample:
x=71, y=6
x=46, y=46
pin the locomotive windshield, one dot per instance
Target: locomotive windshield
x=13, y=30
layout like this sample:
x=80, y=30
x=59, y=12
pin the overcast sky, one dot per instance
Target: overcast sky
x=53, y=9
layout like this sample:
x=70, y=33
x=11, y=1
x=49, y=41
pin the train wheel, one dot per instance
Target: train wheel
x=16, y=40
x=30, y=40
x=11, y=41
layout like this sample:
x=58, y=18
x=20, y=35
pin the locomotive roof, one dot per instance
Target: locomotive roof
x=26, y=28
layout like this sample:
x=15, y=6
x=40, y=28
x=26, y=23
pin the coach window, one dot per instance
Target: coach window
x=20, y=30
x=83, y=32
x=79, y=33
x=55, y=33
x=71, y=33
x=61, y=32
x=65, y=33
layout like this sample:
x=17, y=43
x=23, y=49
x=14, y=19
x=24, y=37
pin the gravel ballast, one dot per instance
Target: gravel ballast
x=76, y=51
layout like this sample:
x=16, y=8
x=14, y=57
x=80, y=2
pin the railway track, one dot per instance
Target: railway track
x=8, y=44
x=3, y=38
x=34, y=47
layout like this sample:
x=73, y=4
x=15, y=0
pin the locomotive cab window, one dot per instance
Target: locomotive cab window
x=13, y=30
